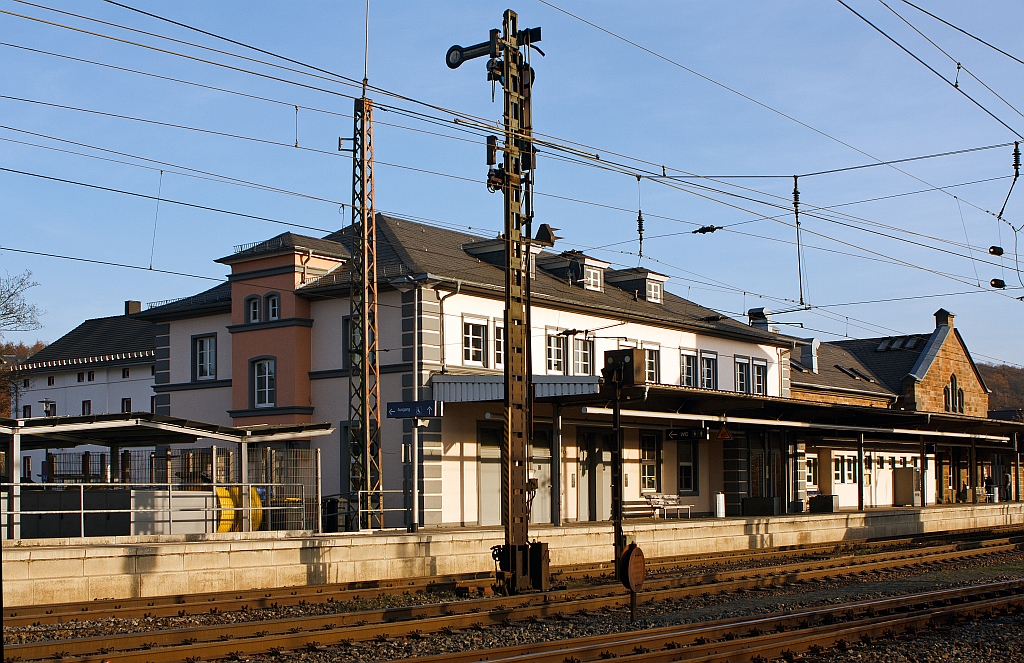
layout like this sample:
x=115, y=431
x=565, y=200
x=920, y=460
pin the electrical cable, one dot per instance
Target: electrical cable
x=978, y=39
x=929, y=68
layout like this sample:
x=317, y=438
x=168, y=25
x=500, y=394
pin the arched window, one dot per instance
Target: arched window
x=953, y=396
x=252, y=309
x=273, y=307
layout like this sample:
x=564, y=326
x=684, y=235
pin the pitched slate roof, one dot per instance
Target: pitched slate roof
x=891, y=358
x=838, y=369
x=287, y=242
x=409, y=248
x=119, y=339
x=215, y=300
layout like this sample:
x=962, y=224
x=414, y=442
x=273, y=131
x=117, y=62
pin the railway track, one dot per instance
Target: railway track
x=766, y=637
x=463, y=584
x=245, y=638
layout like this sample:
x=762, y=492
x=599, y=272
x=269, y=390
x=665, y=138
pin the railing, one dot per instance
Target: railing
x=154, y=508
x=343, y=513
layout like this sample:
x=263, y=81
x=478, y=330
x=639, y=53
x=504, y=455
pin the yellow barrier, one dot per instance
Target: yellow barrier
x=230, y=518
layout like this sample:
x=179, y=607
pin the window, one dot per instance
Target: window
x=592, y=278
x=760, y=378
x=49, y=409
x=881, y=462
x=649, y=462
x=652, y=365
x=264, y=381
x=87, y=407
x=688, y=368
x=687, y=454
x=81, y=377
x=653, y=292
x=837, y=470
x=126, y=405
x=812, y=471
x=125, y=373
x=50, y=379
x=346, y=342
x=708, y=370
x=91, y=376
x=26, y=411
x=742, y=375
x=473, y=336
x=25, y=383
x=499, y=345
x=252, y=309
x=273, y=307
x=152, y=404
x=556, y=353
x=583, y=356
x=851, y=475
x=152, y=369
x=892, y=462
x=204, y=358
x=953, y=396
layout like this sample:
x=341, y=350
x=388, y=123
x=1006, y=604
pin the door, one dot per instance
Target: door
x=595, y=484
x=540, y=469
x=488, y=474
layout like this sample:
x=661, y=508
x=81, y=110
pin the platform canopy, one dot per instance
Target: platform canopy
x=143, y=429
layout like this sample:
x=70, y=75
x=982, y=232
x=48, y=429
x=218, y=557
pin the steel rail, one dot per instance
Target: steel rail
x=743, y=638
x=180, y=644
x=176, y=605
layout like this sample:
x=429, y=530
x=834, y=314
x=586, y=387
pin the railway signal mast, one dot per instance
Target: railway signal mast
x=521, y=565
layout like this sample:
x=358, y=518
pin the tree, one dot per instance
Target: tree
x=16, y=314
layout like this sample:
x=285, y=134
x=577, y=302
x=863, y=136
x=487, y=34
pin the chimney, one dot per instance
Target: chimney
x=943, y=317
x=132, y=306
x=761, y=318
x=809, y=354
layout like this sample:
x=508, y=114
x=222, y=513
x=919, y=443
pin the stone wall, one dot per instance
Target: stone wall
x=927, y=395
x=53, y=570
x=838, y=397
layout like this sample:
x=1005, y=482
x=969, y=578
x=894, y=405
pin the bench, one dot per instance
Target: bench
x=638, y=509
x=667, y=503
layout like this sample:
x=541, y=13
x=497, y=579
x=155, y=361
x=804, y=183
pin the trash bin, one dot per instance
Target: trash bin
x=720, y=505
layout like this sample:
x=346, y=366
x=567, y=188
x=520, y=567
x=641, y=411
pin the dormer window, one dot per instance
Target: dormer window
x=654, y=292
x=592, y=278
x=252, y=310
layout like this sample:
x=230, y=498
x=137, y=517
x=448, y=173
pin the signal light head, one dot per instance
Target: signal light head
x=998, y=284
x=995, y=250
x=454, y=57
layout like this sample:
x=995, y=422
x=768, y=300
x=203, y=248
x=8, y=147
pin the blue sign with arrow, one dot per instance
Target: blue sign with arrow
x=411, y=409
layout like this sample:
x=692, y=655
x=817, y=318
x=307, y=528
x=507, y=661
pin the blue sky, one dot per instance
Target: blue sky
x=814, y=61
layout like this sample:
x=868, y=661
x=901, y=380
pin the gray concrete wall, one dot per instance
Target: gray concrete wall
x=59, y=570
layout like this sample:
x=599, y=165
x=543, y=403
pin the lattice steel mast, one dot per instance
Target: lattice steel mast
x=522, y=565
x=364, y=371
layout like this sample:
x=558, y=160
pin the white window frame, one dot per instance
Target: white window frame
x=474, y=346
x=761, y=389
x=205, y=360
x=253, y=309
x=655, y=291
x=593, y=278
x=742, y=375
x=555, y=352
x=273, y=307
x=713, y=382
x=499, y=345
x=582, y=356
x=264, y=374
x=126, y=405
x=652, y=363
x=650, y=476
x=694, y=370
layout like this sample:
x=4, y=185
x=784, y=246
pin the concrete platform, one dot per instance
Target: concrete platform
x=60, y=570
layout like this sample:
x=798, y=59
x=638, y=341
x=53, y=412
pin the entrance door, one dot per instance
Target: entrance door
x=595, y=485
x=489, y=474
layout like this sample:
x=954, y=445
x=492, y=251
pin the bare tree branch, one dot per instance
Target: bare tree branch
x=16, y=314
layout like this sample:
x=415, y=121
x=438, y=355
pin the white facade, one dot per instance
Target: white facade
x=87, y=389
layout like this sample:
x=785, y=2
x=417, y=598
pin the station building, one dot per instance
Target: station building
x=770, y=422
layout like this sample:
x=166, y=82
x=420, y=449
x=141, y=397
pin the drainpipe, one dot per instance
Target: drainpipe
x=440, y=301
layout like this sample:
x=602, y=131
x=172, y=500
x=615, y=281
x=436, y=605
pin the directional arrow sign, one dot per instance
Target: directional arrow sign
x=686, y=434
x=411, y=409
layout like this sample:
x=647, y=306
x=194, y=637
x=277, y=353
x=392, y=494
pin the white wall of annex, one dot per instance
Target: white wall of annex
x=105, y=391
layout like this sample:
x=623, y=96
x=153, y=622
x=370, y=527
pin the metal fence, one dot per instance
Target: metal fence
x=166, y=491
